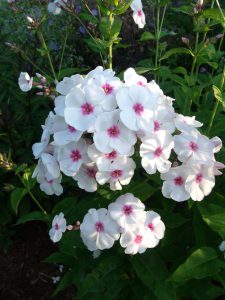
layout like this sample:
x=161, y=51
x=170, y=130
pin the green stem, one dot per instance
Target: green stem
x=32, y=196
x=63, y=51
x=110, y=42
x=91, y=36
x=216, y=104
x=208, y=21
x=187, y=108
x=43, y=43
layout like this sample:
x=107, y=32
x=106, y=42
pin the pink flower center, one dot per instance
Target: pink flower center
x=116, y=174
x=193, y=146
x=49, y=181
x=138, y=239
x=113, y=131
x=138, y=108
x=139, y=13
x=75, y=155
x=127, y=209
x=99, y=226
x=108, y=89
x=87, y=108
x=198, y=178
x=111, y=155
x=140, y=83
x=179, y=181
x=71, y=129
x=151, y=226
x=156, y=125
x=56, y=226
x=91, y=172
x=158, y=151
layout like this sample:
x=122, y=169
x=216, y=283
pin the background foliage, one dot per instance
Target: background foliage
x=184, y=52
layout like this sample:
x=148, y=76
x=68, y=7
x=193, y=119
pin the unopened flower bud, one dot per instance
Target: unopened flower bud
x=185, y=40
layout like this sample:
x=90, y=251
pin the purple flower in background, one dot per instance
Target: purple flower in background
x=78, y=9
x=82, y=30
x=202, y=70
x=94, y=12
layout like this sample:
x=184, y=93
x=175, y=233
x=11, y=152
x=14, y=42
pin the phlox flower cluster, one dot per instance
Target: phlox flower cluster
x=99, y=122
x=125, y=219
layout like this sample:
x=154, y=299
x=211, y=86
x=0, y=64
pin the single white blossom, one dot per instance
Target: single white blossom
x=25, y=82
x=58, y=228
x=85, y=177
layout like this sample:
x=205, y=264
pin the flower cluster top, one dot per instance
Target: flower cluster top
x=99, y=122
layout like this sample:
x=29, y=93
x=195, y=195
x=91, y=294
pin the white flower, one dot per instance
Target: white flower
x=132, y=78
x=50, y=186
x=98, y=230
x=99, y=71
x=85, y=177
x=110, y=134
x=58, y=227
x=155, y=225
x=65, y=86
x=64, y=133
x=104, y=160
x=47, y=165
x=217, y=144
x=222, y=246
x=137, y=107
x=60, y=105
x=163, y=118
x=119, y=173
x=127, y=211
x=71, y=156
x=200, y=181
x=174, y=184
x=193, y=148
x=39, y=148
x=55, y=279
x=25, y=82
x=135, y=241
x=155, y=151
x=81, y=109
x=53, y=8
x=186, y=124
x=217, y=167
x=138, y=14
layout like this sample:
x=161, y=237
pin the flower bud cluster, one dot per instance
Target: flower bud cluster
x=99, y=121
x=126, y=220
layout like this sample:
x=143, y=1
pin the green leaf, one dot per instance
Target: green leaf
x=110, y=32
x=200, y=264
x=219, y=96
x=68, y=279
x=60, y=258
x=34, y=216
x=15, y=197
x=146, y=36
x=214, y=14
x=177, y=51
x=122, y=7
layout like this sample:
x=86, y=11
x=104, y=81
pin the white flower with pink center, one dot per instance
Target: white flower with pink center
x=81, y=108
x=68, y=83
x=64, y=133
x=156, y=227
x=127, y=211
x=163, y=119
x=136, y=107
x=119, y=173
x=174, y=184
x=72, y=156
x=132, y=78
x=193, y=148
x=138, y=14
x=135, y=241
x=85, y=177
x=25, y=82
x=58, y=228
x=98, y=230
x=200, y=181
x=155, y=151
x=110, y=134
x=185, y=123
x=104, y=160
x=104, y=90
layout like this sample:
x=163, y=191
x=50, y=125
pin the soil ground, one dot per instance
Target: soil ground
x=23, y=274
